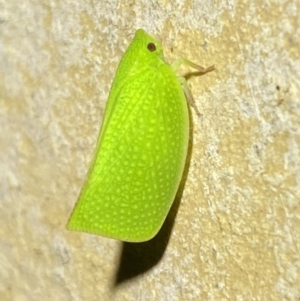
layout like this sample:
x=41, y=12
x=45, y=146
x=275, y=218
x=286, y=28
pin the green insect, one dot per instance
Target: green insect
x=141, y=149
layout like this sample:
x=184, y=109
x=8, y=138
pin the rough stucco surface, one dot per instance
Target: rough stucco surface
x=236, y=230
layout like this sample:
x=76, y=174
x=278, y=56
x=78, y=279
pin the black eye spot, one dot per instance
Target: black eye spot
x=151, y=47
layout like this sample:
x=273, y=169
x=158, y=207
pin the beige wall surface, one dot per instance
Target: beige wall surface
x=234, y=230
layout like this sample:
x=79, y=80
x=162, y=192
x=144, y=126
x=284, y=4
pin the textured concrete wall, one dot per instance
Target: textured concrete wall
x=234, y=230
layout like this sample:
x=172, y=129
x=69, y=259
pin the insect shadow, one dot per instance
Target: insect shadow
x=138, y=258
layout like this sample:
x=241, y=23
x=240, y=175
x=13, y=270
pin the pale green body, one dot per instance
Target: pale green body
x=141, y=150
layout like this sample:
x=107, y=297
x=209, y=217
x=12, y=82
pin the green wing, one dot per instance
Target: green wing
x=140, y=155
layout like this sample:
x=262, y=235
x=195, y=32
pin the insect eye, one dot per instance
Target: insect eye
x=151, y=47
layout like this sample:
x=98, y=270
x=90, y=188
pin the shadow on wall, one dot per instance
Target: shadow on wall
x=138, y=258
